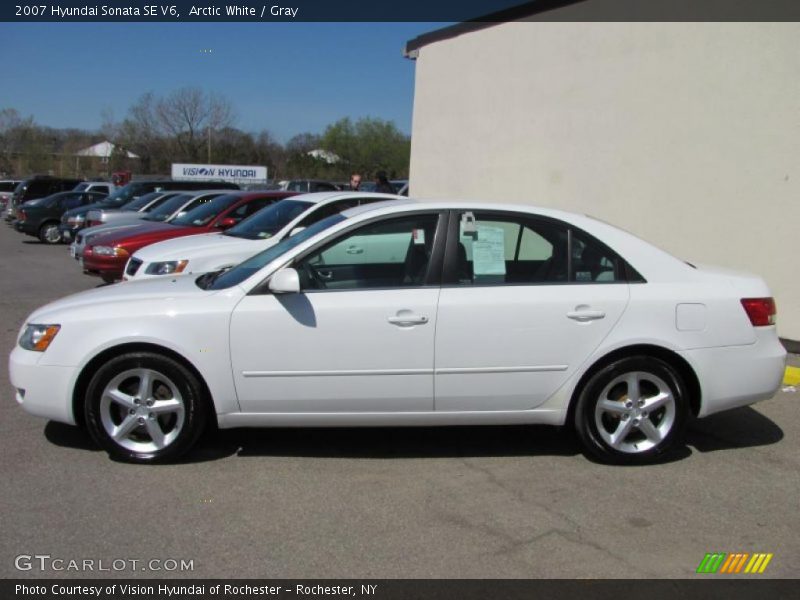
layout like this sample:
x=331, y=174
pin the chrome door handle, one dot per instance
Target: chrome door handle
x=408, y=319
x=582, y=316
x=325, y=274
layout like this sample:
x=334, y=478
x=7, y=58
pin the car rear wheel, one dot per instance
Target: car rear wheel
x=49, y=233
x=144, y=407
x=632, y=411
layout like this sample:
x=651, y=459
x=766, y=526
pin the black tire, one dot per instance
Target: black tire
x=181, y=428
x=49, y=233
x=622, y=435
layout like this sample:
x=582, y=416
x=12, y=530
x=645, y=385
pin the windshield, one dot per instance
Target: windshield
x=166, y=210
x=268, y=221
x=244, y=270
x=80, y=187
x=122, y=195
x=142, y=201
x=204, y=214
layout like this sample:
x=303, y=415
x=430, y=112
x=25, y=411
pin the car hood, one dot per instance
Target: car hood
x=142, y=233
x=162, y=289
x=196, y=246
x=82, y=210
x=105, y=228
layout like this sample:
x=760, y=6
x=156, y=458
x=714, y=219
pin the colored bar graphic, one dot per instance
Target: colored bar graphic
x=758, y=563
x=728, y=564
x=720, y=562
x=741, y=562
x=711, y=562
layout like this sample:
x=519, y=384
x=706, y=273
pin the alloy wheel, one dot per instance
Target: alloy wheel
x=635, y=412
x=142, y=410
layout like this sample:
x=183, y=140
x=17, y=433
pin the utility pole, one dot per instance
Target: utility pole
x=209, y=145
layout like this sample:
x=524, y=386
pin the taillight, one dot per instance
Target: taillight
x=93, y=223
x=761, y=311
x=21, y=215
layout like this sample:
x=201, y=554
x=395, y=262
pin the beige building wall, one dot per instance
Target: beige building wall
x=687, y=134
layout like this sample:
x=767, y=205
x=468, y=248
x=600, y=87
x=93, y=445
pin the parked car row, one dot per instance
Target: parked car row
x=41, y=217
x=250, y=309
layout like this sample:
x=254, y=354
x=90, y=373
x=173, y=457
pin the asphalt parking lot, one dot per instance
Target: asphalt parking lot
x=398, y=503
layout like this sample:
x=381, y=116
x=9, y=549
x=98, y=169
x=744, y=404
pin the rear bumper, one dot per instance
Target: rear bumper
x=44, y=391
x=736, y=376
x=24, y=227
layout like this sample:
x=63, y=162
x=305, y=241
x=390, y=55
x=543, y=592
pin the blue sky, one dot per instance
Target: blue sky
x=288, y=78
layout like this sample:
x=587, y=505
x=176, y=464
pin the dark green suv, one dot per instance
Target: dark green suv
x=41, y=217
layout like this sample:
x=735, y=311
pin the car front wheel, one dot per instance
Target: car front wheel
x=144, y=407
x=632, y=411
x=49, y=233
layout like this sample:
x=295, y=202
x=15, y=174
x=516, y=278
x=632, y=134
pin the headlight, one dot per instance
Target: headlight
x=109, y=251
x=38, y=337
x=167, y=267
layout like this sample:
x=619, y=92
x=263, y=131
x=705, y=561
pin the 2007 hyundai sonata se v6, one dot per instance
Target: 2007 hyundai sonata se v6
x=402, y=313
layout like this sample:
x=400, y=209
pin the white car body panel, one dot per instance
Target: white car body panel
x=334, y=352
x=528, y=346
x=207, y=252
x=253, y=350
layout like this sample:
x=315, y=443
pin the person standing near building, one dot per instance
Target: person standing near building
x=382, y=184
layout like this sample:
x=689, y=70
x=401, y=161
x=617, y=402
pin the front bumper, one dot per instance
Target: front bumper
x=735, y=376
x=44, y=391
x=104, y=266
x=68, y=232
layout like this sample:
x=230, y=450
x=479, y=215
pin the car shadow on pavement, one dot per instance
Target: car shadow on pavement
x=69, y=436
x=738, y=428
x=387, y=442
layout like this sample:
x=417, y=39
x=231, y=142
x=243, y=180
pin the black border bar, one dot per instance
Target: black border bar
x=709, y=587
x=481, y=11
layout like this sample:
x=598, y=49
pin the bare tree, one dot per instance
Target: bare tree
x=190, y=116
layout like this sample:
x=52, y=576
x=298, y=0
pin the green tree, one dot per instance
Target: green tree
x=368, y=145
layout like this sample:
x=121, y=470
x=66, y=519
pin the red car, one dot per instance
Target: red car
x=107, y=254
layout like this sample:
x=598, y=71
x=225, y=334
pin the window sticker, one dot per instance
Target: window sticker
x=488, y=251
x=419, y=236
x=468, y=223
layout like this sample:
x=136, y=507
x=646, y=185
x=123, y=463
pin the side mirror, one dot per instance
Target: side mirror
x=226, y=222
x=295, y=231
x=285, y=281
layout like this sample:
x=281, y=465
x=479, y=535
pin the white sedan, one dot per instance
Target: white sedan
x=411, y=314
x=221, y=250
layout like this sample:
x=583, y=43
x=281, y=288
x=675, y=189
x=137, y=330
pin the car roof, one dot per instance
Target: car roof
x=250, y=195
x=195, y=193
x=67, y=192
x=394, y=202
x=479, y=205
x=320, y=197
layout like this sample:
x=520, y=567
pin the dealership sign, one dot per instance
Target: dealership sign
x=234, y=173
